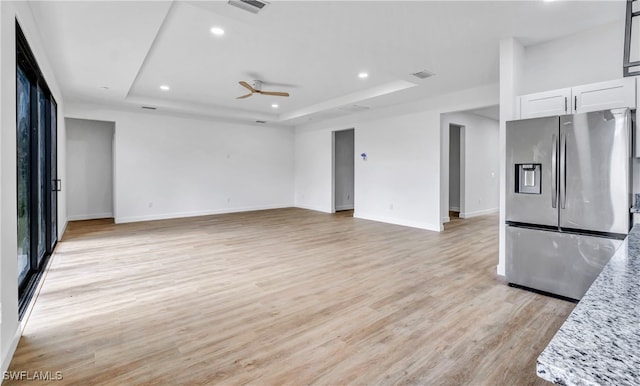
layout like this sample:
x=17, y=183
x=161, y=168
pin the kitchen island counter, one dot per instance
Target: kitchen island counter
x=599, y=343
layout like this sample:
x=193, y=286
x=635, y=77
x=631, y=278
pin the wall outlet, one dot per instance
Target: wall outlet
x=150, y=204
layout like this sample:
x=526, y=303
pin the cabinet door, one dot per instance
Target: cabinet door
x=605, y=95
x=545, y=104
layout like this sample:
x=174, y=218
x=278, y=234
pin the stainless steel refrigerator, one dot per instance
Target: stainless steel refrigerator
x=568, y=196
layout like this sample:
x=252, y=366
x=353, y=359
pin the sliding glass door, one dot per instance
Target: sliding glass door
x=37, y=184
x=24, y=175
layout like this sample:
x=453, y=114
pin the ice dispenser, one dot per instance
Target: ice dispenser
x=528, y=179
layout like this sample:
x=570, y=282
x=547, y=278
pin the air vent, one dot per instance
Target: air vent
x=149, y=108
x=253, y=6
x=423, y=74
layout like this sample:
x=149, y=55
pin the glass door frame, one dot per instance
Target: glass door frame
x=42, y=183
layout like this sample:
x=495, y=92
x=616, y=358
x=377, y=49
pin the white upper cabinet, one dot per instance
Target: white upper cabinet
x=581, y=99
x=545, y=104
x=605, y=95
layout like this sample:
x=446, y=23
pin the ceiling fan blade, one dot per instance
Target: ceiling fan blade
x=274, y=93
x=247, y=86
x=245, y=96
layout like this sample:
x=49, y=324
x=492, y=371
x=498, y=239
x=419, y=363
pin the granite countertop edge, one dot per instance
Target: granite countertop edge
x=599, y=343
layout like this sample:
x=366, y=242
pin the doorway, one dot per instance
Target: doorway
x=89, y=169
x=456, y=170
x=343, y=169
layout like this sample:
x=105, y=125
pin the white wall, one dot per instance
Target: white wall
x=480, y=161
x=344, y=169
x=168, y=166
x=590, y=56
x=396, y=182
x=454, y=168
x=9, y=326
x=312, y=170
x=400, y=180
x=90, y=169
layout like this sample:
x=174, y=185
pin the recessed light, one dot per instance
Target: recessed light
x=164, y=87
x=275, y=106
x=217, y=31
x=363, y=75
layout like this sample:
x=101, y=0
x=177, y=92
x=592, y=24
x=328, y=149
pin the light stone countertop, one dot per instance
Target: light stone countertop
x=599, y=343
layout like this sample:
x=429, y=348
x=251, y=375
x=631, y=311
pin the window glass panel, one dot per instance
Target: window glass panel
x=23, y=171
x=41, y=179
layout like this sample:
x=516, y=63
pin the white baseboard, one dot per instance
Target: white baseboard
x=446, y=219
x=478, y=213
x=314, y=208
x=396, y=221
x=166, y=216
x=92, y=216
x=500, y=270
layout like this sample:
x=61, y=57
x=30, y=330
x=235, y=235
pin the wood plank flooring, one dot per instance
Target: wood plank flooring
x=284, y=297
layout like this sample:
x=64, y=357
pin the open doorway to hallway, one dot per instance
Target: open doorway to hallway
x=470, y=164
x=456, y=170
x=90, y=169
x=343, y=170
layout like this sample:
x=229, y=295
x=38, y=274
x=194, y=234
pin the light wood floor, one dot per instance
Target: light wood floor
x=284, y=297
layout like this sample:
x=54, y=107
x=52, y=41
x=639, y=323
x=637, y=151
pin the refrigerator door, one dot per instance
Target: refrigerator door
x=531, y=194
x=559, y=263
x=595, y=161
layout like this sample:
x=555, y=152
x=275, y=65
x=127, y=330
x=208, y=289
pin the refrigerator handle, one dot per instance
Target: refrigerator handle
x=554, y=171
x=563, y=170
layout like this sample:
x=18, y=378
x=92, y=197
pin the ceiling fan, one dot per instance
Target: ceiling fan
x=257, y=89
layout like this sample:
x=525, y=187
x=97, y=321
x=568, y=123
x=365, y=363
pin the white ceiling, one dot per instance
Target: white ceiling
x=310, y=49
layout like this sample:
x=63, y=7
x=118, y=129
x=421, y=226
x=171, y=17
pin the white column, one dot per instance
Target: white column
x=511, y=68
